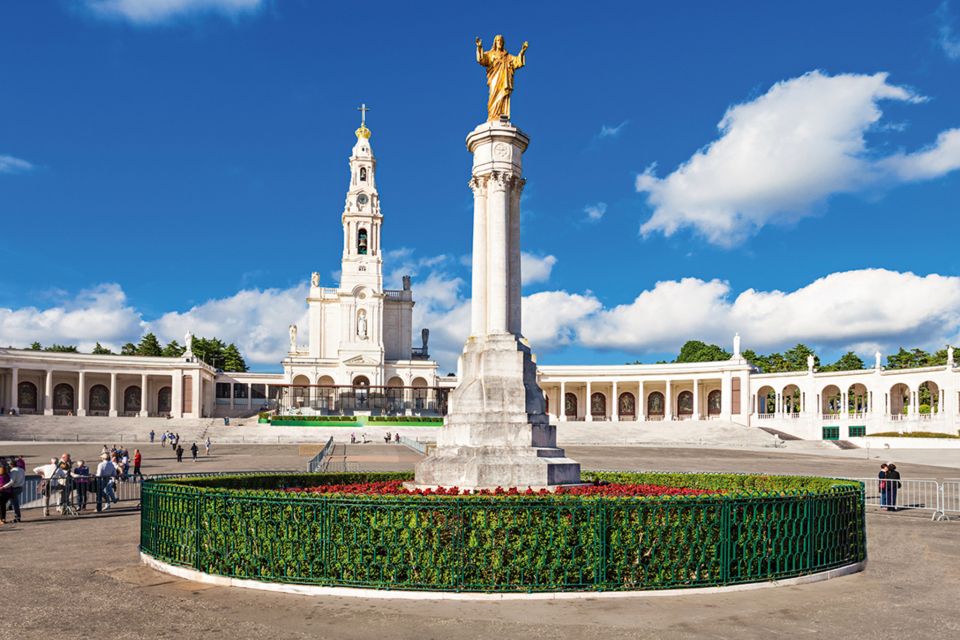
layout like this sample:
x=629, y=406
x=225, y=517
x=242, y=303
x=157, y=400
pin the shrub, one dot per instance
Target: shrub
x=759, y=528
x=912, y=434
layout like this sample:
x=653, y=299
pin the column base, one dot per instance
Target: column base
x=48, y=412
x=497, y=434
x=492, y=467
x=144, y=414
x=81, y=412
x=113, y=413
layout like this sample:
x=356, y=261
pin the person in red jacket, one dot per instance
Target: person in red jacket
x=136, y=462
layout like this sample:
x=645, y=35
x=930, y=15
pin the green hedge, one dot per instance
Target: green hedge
x=406, y=420
x=314, y=421
x=761, y=528
x=912, y=434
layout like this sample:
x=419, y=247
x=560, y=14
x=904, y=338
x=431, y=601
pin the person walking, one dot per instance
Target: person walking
x=893, y=483
x=137, y=459
x=193, y=451
x=81, y=475
x=106, y=471
x=163, y=439
x=206, y=446
x=882, y=485
x=179, y=453
x=152, y=434
x=11, y=490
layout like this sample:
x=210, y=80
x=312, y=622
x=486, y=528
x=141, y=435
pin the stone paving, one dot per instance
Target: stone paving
x=81, y=578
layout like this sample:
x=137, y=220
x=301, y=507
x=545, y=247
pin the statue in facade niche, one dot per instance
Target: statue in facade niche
x=315, y=279
x=500, y=69
x=293, y=337
x=362, y=325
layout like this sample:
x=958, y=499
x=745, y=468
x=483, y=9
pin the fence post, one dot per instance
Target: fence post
x=725, y=541
x=198, y=497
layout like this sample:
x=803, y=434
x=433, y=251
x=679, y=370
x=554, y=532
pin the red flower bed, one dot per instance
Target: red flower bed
x=396, y=488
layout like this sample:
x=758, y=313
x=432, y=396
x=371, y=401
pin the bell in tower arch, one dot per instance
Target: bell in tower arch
x=362, y=242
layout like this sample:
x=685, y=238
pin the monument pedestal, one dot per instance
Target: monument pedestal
x=496, y=433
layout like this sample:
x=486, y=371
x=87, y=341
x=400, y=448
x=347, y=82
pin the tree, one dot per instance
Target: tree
x=209, y=351
x=128, y=349
x=697, y=351
x=796, y=358
x=173, y=350
x=232, y=360
x=149, y=346
x=100, y=350
x=61, y=348
x=35, y=347
x=847, y=362
x=912, y=359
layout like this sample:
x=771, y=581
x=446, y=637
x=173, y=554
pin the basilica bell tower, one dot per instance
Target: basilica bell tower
x=362, y=263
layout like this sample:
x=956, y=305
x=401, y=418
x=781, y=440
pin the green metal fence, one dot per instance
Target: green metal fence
x=502, y=544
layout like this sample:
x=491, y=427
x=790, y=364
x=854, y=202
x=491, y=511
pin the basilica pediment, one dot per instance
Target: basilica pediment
x=362, y=360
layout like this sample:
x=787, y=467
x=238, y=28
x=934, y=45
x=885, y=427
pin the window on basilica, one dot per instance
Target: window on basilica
x=362, y=242
x=363, y=174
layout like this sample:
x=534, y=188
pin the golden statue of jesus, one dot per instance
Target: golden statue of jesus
x=500, y=67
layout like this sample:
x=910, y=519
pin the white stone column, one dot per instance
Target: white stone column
x=14, y=389
x=562, y=409
x=82, y=394
x=231, y=395
x=176, y=394
x=113, y=394
x=696, y=399
x=726, y=396
x=588, y=408
x=48, y=394
x=668, y=403
x=144, y=396
x=615, y=407
x=514, y=315
x=195, y=392
x=641, y=401
x=250, y=393
x=498, y=199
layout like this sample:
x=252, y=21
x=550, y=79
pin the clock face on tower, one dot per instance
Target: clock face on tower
x=362, y=199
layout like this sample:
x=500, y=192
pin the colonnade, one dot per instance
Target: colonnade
x=82, y=392
x=624, y=399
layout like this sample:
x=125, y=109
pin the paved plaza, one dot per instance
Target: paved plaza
x=84, y=574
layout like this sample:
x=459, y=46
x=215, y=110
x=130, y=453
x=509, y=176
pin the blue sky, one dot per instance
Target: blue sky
x=788, y=171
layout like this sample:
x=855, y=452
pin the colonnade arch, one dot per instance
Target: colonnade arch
x=830, y=400
x=63, y=398
x=766, y=400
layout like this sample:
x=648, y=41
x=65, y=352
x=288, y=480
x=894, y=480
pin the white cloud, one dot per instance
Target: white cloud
x=256, y=320
x=939, y=158
x=842, y=310
x=612, y=132
x=146, y=12
x=860, y=310
x=535, y=268
x=948, y=39
x=595, y=211
x=550, y=318
x=781, y=155
x=9, y=164
x=98, y=314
